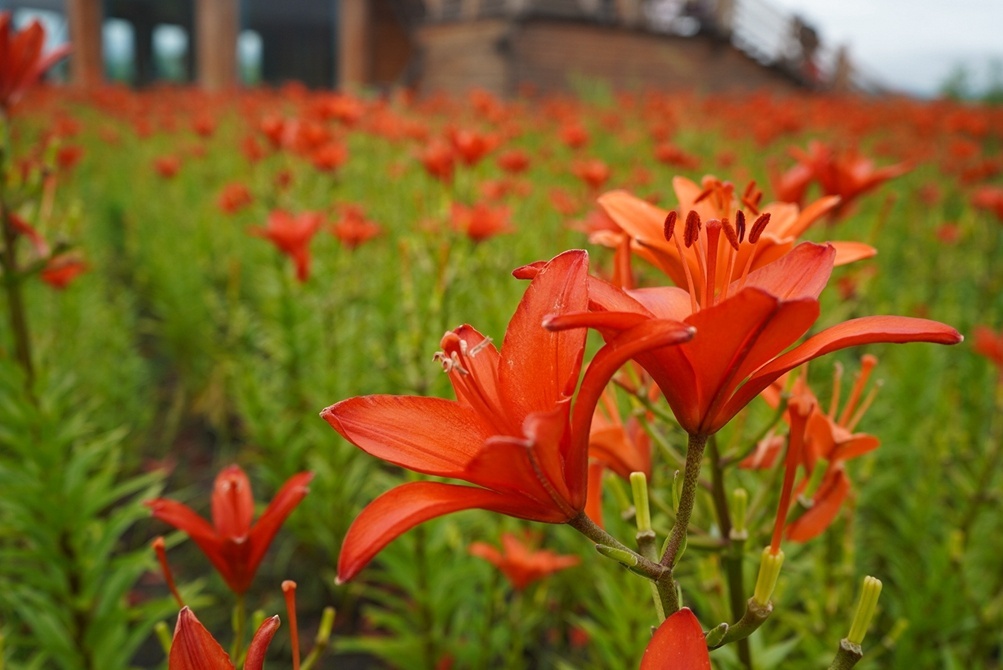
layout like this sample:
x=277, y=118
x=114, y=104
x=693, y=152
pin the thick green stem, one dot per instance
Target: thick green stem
x=691, y=480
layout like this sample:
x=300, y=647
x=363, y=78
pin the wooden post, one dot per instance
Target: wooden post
x=86, y=60
x=354, y=43
x=216, y=27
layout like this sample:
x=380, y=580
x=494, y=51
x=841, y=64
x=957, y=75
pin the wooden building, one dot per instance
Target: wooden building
x=454, y=45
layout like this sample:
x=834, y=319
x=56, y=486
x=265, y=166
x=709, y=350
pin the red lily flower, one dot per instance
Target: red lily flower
x=774, y=229
x=521, y=565
x=510, y=432
x=21, y=61
x=232, y=543
x=354, y=229
x=292, y=235
x=678, y=644
x=743, y=332
x=194, y=648
x=234, y=197
x=481, y=222
x=593, y=172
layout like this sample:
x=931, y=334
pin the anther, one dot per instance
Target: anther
x=758, y=227
x=669, y=227
x=692, y=228
x=729, y=232
x=740, y=225
x=480, y=346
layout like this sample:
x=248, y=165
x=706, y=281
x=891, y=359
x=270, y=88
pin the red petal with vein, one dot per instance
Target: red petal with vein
x=824, y=509
x=593, y=502
x=281, y=506
x=541, y=367
x=184, y=518
x=442, y=436
x=678, y=644
x=803, y=273
x=402, y=508
x=259, y=644
x=504, y=465
x=865, y=330
x=194, y=648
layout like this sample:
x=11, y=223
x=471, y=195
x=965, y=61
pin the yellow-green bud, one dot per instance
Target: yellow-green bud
x=769, y=573
x=865, y=610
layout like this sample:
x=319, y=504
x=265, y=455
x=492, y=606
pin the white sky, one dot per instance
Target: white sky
x=910, y=44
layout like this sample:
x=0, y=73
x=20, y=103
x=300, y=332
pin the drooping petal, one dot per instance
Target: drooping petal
x=194, y=648
x=865, y=330
x=232, y=503
x=850, y=252
x=825, y=506
x=281, y=506
x=429, y=435
x=678, y=644
x=259, y=643
x=540, y=367
x=404, y=507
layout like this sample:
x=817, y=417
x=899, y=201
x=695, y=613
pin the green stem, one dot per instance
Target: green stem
x=16, y=314
x=518, y=642
x=691, y=480
x=847, y=656
x=239, y=627
x=732, y=556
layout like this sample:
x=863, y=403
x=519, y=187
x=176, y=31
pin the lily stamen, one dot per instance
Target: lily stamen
x=867, y=364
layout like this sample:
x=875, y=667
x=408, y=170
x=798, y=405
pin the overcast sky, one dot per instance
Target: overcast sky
x=911, y=44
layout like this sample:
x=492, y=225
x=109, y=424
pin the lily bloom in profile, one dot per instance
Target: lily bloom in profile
x=678, y=644
x=194, y=648
x=519, y=563
x=744, y=330
x=511, y=431
x=848, y=175
x=234, y=543
x=291, y=235
x=22, y=62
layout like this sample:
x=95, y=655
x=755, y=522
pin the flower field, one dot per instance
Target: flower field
x=224, y=322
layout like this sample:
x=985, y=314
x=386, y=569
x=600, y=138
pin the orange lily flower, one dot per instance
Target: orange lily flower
x=510, y=432
x=194, y=648
x=22, y=63
x=232, y=543
x=744, y=331
x=678, y=644
x=773, y=230
x=521, y=565
x=61, y=270
x=292, y=235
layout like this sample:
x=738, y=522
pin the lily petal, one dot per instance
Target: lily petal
x=540, y=367
x=259, y=644
x=865, y=330
x=401, y=509
x=678, y=644
x=194, y=648
x=442, y=436
x=281, y=506
x=826, y=504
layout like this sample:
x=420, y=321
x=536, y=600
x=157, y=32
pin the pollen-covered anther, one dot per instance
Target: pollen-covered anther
x=758, y=227
x=669, y=227
x=450, y=362
x=692, y=231
x=729, y=232
x=740, y=225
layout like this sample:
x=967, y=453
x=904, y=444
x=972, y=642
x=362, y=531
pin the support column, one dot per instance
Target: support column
x=354, y=43
x=142, y=40
x=216, y=27
x=86, y=60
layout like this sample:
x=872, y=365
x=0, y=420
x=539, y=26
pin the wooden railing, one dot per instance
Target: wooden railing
x=765, y=33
